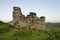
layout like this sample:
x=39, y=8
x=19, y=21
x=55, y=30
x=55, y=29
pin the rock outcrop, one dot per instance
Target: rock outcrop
x=19, y=20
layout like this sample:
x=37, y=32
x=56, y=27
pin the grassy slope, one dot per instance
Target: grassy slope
x=8, y=32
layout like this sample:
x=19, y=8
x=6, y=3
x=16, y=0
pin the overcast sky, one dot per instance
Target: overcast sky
x=48, y=8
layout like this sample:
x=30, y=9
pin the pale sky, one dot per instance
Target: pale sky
x=48, y=8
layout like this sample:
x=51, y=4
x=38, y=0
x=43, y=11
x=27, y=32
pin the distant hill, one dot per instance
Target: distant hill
x=52, y=24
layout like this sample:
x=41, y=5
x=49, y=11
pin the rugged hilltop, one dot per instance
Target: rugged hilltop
x=31, y=20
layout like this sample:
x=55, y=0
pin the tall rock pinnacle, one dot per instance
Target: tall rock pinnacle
x=19, y=20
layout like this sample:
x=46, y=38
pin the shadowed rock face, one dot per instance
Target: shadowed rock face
x=19, y=20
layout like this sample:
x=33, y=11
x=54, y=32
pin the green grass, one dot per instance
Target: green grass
x=8, y=32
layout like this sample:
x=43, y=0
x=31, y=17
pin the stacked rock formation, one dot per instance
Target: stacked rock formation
x=19, y=20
